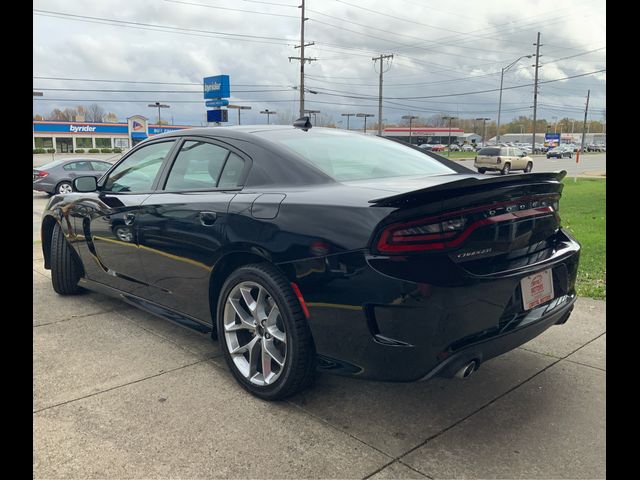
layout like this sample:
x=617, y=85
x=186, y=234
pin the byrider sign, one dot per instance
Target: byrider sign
x=81, y=128
x=216, y=87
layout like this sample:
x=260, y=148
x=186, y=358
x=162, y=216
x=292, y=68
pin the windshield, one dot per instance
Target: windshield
x=348, y=156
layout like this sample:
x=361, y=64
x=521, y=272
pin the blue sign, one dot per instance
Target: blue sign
x=163, y=129
x=217, y=116
x=217, y=103
x=217, y=87
x=74, y=127
x=552, y=137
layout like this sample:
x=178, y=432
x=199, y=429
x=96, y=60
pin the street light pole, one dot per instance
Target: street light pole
x=484, y=128
x=501, y=82
x=347, y=115
x=158, y=105
x=268, y=112
x=314, y=112
x=449, y=140
x=365, y=115
x=410, y=118
x=239, y=107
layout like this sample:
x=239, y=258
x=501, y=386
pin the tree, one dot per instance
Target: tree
x=110, y=118
x=38, y=118
x=95, y=113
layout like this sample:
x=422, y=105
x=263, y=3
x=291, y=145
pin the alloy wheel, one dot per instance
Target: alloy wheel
x=65, y=188
x=255, y=333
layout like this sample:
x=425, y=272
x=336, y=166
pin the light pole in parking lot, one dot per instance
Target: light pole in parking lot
x=500, y=100
x=158, y=105
x=348, y=115
x=484, y=128
x=449, y=140
x=314, y=113
x=411, y=118
x=365, y=115
x=239, y=107
x=268, y=113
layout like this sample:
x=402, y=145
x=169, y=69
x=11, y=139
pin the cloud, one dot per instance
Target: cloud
x=439, y=49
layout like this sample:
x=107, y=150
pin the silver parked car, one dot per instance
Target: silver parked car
x=57, y=176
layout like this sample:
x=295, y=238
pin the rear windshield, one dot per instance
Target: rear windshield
x=489, y=151
x=348, y=156
x=52, y=164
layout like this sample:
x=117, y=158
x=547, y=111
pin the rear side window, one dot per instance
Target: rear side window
x=489, y=151
x=75, y=166
x=232, y=172
x=197, y=166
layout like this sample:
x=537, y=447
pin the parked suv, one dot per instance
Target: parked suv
x=560, y=152
x=503, y=159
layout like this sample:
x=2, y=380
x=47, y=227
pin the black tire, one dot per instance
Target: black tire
x=65, y=271
x=506, y=169
x=62, y=185
x=570, y=155
x=299, y=370
x=482, y=170
x=529, y=167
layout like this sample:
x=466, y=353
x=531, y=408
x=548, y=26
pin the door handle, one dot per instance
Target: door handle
x=208, y=218
x=129, y=218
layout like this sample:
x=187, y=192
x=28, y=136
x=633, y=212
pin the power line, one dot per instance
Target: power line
x=198, y=92
x=230, y=9
x=147, y=82
x=160, y=28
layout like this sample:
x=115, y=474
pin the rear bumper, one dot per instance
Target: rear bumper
x=43, y=187
x=370, y=324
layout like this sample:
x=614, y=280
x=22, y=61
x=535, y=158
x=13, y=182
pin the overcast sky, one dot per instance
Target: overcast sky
x=440, y=49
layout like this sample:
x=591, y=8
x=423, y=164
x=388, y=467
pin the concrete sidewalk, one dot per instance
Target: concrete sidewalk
x=119, y=393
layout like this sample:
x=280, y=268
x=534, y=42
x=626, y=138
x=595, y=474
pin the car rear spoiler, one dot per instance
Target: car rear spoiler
x=468, y=185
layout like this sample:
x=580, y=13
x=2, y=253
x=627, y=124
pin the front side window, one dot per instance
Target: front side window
x=138, y=171
x=101, y=166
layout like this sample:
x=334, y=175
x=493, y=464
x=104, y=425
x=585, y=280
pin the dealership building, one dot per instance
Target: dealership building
x=67, y=137
x=420, y=135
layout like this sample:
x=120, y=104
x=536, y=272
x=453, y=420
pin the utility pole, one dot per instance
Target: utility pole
x=584, y=126
x=348, y=115
x=302, y=57
x=535, y=94
x=381, y=58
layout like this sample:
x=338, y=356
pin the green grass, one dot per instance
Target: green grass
x=582, y=209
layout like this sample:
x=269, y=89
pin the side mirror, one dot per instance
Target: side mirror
x=85, y=184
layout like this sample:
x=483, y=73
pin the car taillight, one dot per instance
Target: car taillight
x=420, y=235
x=451, y=229
x=499, y=160
x=41, y=174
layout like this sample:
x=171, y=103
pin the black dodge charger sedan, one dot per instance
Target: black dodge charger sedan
x=306, y=249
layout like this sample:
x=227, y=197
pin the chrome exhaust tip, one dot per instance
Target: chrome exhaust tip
x=467, y=370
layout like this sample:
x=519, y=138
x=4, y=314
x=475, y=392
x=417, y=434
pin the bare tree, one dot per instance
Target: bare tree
x=95, y=113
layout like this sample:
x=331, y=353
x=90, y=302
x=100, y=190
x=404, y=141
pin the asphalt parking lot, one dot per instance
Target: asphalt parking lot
x=119, y=393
